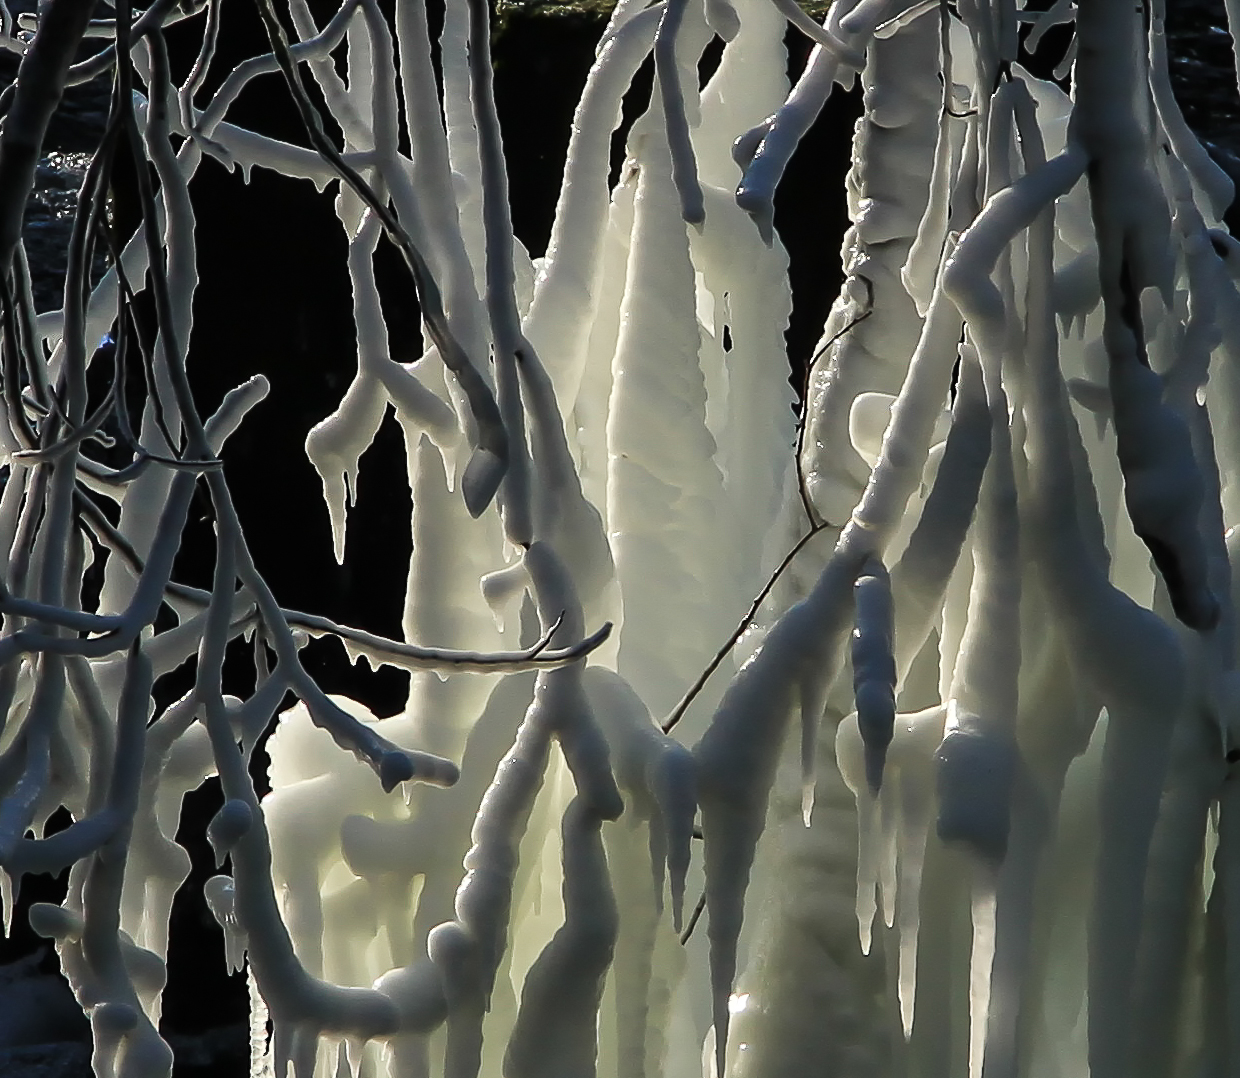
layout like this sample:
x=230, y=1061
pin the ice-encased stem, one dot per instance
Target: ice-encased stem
x=557, y=1025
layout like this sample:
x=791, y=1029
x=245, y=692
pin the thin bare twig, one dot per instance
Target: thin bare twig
x=486, y=469
x=811, y=515
x=694, y=917
x=680, y=709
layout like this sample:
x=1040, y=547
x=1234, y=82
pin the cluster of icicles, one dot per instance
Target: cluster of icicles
x=1004, y=842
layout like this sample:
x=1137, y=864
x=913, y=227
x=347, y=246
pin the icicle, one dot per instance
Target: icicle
x=850, y=757
x=892, y=832
x=874, y=667
x=335, y=444
x=737, y=757
x=652, y=768
x=219, y=894
x=911, y=755
x=869, y=837
x=889, y=836
x=980, y=961
x=812, y=698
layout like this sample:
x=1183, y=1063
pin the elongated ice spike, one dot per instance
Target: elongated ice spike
x=812, y=698
x=220, y=898
x=737, y=756
x=981, y=959
x=655, y=770
x=335, y=445
x=874, y=667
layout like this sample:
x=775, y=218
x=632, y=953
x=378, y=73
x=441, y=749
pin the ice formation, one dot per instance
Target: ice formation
x=986, y=577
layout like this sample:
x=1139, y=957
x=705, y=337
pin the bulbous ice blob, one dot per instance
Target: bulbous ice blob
x=418, y=992
x=227, y=827
x=976, y=764
x=55, y=922
x=220, y=897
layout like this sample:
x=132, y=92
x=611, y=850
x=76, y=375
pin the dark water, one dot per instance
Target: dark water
x=72, y=137
x=1202, y=75
x=1202, y=71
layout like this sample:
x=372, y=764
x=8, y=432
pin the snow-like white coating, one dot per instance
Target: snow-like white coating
x=874, y=324
x=1003, y=841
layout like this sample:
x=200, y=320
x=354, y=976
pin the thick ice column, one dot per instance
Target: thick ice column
x=888, y=186
x=664, y=488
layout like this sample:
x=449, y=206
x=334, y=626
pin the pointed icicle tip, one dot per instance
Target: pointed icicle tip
x=875, y=762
